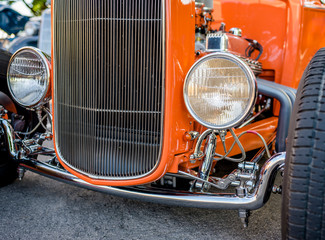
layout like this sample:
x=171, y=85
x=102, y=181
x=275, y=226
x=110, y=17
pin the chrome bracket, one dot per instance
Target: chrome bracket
x=224, y=183
x=247, y=177
x=198, y=154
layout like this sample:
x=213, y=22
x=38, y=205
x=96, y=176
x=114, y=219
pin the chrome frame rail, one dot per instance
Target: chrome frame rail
x=213, y=201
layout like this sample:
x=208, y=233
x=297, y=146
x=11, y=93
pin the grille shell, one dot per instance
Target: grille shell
x=108, y=70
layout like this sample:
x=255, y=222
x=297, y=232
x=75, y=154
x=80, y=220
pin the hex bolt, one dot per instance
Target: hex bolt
x=277, y=189
x=192, y=159
x=248, y=166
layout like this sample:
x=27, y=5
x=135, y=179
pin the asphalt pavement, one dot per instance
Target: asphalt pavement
x=42, y=208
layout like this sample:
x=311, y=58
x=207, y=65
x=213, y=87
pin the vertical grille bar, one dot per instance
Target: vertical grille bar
x=109, y=85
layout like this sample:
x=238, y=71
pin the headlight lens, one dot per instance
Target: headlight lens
x=29, y=76
x=220, y=91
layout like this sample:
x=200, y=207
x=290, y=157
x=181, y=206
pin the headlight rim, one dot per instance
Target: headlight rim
x=250, y=76
x=47, y=93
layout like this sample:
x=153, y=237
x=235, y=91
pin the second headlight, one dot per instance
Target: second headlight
x=29, y=77
x=220, y=91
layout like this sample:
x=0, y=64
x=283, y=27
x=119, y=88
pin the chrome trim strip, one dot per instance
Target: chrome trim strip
x=253, y=201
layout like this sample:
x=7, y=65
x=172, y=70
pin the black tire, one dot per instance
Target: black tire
x=8, y=167
x=8, y=172
x=303, y=207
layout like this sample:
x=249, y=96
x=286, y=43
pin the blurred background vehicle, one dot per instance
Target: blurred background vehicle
x=44, y=40
x=17, y=31
x=11, y=24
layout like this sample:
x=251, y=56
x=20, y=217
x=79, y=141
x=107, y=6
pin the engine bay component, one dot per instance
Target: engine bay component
x=29, y=77
x=220, y=91
x=236, y=32
x=217, y=42
x=208, y=4
x=241, y=47
x=203, y=22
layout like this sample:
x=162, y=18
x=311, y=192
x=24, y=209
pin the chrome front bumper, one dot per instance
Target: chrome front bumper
x=252, y=201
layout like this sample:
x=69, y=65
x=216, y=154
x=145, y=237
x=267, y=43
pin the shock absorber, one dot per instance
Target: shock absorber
x=206, y=164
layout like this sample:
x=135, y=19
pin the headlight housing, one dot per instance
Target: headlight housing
x=220, y=91
x=29, y=77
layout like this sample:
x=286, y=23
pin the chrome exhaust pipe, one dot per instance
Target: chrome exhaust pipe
x=252, y=201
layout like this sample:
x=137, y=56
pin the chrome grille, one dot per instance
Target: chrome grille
x=109, y=85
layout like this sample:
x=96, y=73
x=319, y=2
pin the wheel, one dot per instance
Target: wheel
x=8, y=172
x=303, y=207
x=8, y=168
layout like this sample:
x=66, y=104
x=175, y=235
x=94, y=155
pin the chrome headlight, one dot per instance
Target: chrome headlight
x=29, y=77
x=220, y=91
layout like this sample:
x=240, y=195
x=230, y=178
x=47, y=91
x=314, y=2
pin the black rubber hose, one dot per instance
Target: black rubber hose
x=273, y=90
x=291, y=92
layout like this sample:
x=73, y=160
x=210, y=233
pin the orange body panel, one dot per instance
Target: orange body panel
x=261, y=20
x=311, y=39
x=286, y=29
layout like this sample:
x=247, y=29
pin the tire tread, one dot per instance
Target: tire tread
x=304, y=180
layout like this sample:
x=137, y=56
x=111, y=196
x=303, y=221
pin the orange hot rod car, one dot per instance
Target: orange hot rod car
x=178, y=102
